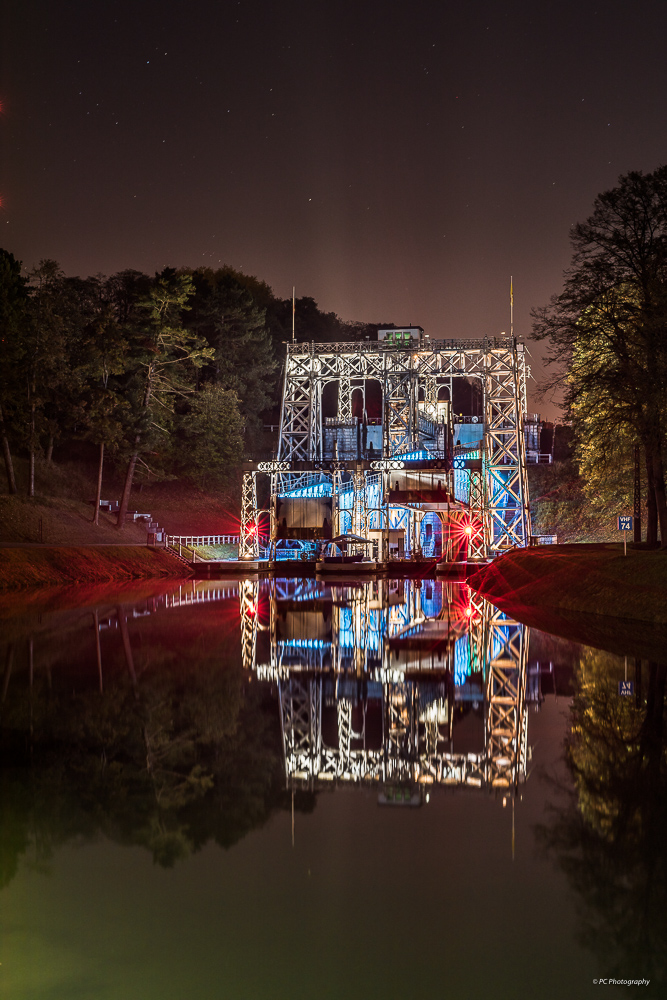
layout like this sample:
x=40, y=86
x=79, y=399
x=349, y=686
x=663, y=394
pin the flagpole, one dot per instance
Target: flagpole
x=293, y=310
x=511, y=308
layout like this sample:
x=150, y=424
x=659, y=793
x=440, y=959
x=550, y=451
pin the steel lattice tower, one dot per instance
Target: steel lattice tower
x=406, y=373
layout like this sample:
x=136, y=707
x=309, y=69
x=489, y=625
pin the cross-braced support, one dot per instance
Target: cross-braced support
x=359, y=505
x=507, y=513
x=417, y=721
x=248, y=596
x=301, y=721
x=506, y=693
x=344, y=400
x=249, y=536
x=407, y=422
x=344, y=712
x=400, y=397
x=476, y=541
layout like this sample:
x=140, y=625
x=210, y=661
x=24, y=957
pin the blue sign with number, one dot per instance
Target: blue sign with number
x=625, y=522
x=626, y=688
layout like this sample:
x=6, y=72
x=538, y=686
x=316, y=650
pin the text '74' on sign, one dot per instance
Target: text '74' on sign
x=625, y=522
x=626, y=688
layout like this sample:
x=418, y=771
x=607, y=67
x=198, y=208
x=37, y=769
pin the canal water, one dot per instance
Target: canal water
x=298, y=789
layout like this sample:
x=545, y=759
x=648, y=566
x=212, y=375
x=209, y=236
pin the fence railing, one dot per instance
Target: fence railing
x=186, y=545
x=193, y=542
x=196, y=541
x=543, y=540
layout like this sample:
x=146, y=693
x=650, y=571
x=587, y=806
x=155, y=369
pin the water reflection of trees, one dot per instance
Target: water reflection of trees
x=175, y=751
x=611, y=839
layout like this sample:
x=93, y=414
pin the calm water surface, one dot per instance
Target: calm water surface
x=298, y=789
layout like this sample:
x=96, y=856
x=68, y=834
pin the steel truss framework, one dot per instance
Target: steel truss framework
x=249, y=532
x=477, y=507
x=248, y=600
x=414, y=746
x=404, y=373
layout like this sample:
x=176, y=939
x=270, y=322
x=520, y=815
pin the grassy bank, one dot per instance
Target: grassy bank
x=38, y=566
x=61, y=512
x=591, y=580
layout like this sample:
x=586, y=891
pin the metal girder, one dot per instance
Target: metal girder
x=499, y=362
x=413, y=748
x=359, y=514
x=431, y=389
x=507, y=512
x=344, y=399
x=506, y=693
x=400, y=404
x=403, y=757
x=476, y=541
x=249, y=532
x=300, y=417
x=344, y=713
x=248, y=595
x=401, y=728
x=301, y=722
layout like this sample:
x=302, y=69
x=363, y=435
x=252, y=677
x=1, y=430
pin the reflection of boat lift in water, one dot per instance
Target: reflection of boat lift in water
x=371, y=675
x=400, y=795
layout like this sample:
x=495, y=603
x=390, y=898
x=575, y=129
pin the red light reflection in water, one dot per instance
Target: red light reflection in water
x=463, y=609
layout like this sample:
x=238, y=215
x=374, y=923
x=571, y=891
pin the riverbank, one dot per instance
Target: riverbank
x=48, y=565
x=582, y=579
x=61, y=512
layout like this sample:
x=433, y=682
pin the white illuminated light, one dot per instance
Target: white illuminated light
x=386, y=464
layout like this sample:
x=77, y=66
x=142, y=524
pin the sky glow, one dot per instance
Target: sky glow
x=396, y=162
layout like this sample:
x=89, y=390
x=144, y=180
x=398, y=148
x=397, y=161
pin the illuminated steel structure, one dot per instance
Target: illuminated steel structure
x=411, y=373
x=415, y=655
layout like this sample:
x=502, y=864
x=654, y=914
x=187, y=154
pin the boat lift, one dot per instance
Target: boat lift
x=387, y=479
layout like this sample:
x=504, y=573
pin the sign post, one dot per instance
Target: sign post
x=625, y=525
x=626, y=688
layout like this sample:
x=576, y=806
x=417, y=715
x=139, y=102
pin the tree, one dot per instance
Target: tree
x=13, y=299
x=608, y=328
x=162, y=757
x=604, y=452
x=225, y=313
x=46, y=338
x=610, y=838
x=165, y=355
x=213, y=436
x=100, y=411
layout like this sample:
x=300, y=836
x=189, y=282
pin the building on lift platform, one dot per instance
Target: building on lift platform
x=410, y=481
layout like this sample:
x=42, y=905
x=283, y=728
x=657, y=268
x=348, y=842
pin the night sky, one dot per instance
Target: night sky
x=395, y=161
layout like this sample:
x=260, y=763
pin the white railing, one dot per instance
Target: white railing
x=543, y=540
x=193, y=542
x=196, y=541
x=199, y=596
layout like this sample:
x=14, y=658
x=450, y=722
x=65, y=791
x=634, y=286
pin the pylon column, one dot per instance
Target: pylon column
x=249, y=537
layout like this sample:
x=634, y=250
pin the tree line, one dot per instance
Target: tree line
x=156, y=756
x=607, y=332
x=608, y=835
x=173, y=374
